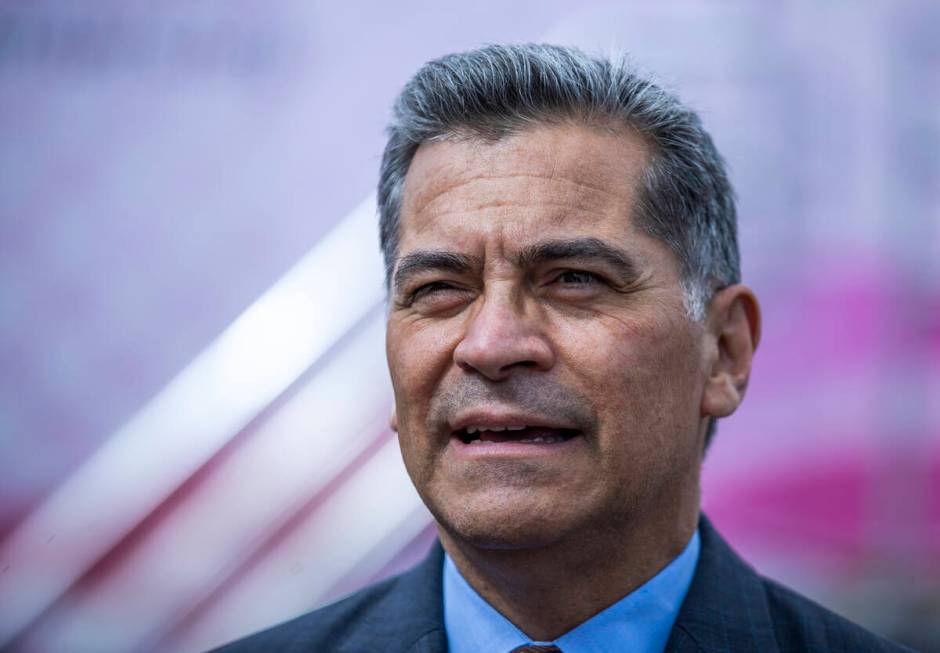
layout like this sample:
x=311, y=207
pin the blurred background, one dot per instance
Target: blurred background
x=193, y=391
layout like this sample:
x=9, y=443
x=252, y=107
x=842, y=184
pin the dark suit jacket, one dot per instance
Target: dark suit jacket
x=729, y=608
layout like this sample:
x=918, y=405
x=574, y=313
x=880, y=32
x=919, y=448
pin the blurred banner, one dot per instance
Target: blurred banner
x=193, y=391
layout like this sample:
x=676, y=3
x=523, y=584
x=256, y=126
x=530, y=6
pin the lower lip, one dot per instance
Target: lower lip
x=514, y=449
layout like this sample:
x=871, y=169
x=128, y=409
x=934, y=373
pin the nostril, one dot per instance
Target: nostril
x=498, y=369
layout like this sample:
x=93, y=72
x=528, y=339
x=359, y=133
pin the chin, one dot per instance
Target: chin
x=520, y=525
x=492, y=535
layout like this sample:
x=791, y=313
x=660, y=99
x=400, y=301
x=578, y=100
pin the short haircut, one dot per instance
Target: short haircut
x=685, y=201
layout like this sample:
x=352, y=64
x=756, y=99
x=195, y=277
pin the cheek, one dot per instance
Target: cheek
x=409, y=368
x=641, y=373
x=418, y=357
x=611, y=355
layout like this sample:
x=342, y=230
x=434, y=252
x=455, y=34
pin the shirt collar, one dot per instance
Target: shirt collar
x=639, y=622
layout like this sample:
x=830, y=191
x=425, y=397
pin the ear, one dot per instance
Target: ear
x=733, y=325
x=393, y=420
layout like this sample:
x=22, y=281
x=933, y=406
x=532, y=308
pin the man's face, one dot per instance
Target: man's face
x=525, y=297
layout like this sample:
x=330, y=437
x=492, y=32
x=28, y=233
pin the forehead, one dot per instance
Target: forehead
x=545, y=177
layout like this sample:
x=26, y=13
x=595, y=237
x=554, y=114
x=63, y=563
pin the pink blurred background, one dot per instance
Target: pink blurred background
x=193, y=390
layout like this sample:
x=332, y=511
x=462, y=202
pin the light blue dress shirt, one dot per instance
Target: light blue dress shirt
x=639, y=622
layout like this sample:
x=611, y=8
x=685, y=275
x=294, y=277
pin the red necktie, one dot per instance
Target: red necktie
x=532, y=648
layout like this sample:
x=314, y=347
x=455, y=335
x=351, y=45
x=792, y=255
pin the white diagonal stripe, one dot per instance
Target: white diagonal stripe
x=244, y=370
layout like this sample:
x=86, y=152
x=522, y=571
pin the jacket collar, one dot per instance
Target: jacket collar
x=415, y=625
x=726, y=607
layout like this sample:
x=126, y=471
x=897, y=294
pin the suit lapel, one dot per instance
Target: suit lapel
x=726, y=607
x=409, y=618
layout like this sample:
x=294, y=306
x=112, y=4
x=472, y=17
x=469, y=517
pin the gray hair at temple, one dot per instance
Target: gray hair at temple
x=686, y=200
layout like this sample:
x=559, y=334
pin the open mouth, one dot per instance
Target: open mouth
x=522, y=434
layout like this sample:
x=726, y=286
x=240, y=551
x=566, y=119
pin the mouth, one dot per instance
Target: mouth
x=520, y=433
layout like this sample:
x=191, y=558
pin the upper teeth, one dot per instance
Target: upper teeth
x=474, y=429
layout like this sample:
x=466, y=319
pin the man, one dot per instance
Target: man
x=565, y=325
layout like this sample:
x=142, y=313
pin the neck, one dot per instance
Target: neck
x=548, y=590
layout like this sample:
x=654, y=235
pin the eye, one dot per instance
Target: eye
x=577, y=278
x=576, y=285
x=429, y=289
x=437, y=298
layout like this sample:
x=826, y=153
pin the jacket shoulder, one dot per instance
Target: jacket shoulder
x=402, y=614
x=801, y=624
x=320, y=629
x=730, y=607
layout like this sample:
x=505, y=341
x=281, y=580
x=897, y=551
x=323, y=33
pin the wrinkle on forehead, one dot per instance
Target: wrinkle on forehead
x=549, y=166
x=491, y=191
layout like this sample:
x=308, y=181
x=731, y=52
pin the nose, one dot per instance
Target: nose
x=501, y=338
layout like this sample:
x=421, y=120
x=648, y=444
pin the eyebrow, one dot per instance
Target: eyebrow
x=420, y=261
x=580, y=248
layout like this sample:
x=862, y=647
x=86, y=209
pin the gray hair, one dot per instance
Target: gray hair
x=686, y=200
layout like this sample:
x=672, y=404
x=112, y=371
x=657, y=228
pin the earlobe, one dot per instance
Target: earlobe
x=734, y=325
x=393, y=420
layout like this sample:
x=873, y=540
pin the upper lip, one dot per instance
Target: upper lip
x=504, y=418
